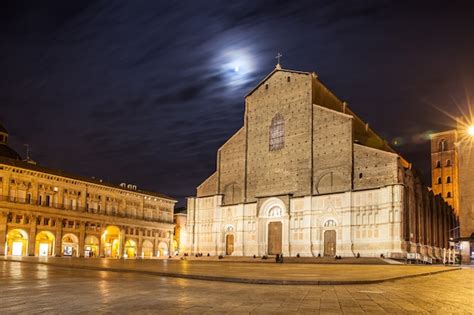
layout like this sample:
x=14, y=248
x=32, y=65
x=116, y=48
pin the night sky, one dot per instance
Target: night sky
x=145, y=92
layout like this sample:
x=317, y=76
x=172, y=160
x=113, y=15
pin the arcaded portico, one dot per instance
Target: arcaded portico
x=45, y=212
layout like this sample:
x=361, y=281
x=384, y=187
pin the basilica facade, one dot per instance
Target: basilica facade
x=306, y=176
x=46, y=212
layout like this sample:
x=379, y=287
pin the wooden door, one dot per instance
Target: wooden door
x=274, y=238
x=229, y=244
x=330, y=243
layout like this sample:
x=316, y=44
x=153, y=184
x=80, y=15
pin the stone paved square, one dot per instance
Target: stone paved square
x=35, y=288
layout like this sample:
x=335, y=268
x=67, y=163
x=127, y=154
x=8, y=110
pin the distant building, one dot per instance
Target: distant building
x=305, y=175
x=45, y=212
x=179, y=236
x=452, y=165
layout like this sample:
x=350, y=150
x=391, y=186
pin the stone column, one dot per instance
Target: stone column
x=58, y=238
x=3, y=232
x=122, y=241
x=32, y=236
x=101, y=241
x=82, y=238
x=155, y=244
x=140, y=242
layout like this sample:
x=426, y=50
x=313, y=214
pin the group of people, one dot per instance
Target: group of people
x=279, y=258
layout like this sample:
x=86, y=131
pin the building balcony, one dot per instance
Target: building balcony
x=59, y=206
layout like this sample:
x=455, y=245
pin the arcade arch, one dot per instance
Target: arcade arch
x=17, y=243
x=44, y=244
x=70, y=245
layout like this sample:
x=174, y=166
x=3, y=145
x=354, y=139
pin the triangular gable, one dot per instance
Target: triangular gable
x=270, y=74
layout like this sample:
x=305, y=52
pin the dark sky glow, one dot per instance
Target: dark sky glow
x=145, y=92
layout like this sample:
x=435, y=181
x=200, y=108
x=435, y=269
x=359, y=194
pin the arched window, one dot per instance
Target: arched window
x=277, y=133
x=448, y=195
x=442, y=145
x=438, y=164
x=448, y=179
x=439, y=180
x=448, y=162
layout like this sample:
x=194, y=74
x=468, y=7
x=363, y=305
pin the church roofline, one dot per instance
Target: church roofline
x=233, y=136
x=435, y=134
x=214, y=173
x=334, y=111
x=270, y=74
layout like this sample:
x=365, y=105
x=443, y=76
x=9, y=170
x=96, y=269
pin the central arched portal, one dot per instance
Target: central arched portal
x=330, y=243
x=274, y=238
x=229, y=244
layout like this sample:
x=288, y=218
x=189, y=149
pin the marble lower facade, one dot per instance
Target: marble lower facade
x=32, y=230
x=368, y=223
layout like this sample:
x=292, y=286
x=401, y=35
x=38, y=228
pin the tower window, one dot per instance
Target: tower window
x=277, y=133
x=448, y=195
x=448, y=179
x=288, y=79
x=438, y=164
x=448, y=162
x=439, y=181
x=442, y=145
x=360, y=175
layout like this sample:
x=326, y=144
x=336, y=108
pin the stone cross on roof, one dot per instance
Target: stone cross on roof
x=278, y=56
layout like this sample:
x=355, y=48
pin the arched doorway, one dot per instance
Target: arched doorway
x=17, y=243
x=330, y=243
x=44, y=244
x=229, y=244
x=130, y=249
x=147, y=249
x=274, y=238
x=162, y=249
x=70, y=245
x=111, y=241
x=91, y=246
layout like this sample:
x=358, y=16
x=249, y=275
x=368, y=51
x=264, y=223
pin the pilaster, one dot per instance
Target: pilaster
x=59, y=238
x=82, y=236
x=3, y=232
x=32, y=236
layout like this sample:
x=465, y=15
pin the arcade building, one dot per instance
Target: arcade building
x=46, y=212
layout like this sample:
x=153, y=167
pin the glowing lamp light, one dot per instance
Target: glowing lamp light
x=470, y=130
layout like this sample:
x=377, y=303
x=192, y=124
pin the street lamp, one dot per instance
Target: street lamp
x=470, y=130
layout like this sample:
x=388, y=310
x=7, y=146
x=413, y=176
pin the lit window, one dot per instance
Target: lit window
x=277, y=133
